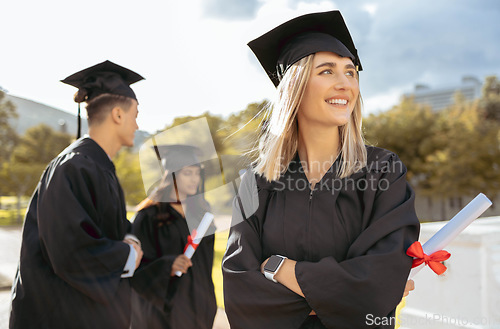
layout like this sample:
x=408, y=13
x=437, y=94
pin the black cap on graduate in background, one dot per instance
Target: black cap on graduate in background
x=302, y=36
x=177, y=156
x=103, y=78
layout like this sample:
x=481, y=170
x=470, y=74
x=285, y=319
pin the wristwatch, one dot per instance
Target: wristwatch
x=272, y=266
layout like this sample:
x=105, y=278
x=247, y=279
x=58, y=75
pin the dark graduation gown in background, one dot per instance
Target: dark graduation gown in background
x=349, y=241
x=162, y=301
x=72, y=254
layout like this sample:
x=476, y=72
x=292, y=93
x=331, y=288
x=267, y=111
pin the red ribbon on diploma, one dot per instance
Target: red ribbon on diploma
x=191, y=241
x=434, y=260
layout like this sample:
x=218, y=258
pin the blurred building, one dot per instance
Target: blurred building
x=440, y=98
x=31, y=113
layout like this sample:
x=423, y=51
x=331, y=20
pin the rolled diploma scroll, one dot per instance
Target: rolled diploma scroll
x=200, y=233
x=453, y=228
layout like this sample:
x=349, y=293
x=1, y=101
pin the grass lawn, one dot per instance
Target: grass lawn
x=219, y=249
x=7, y=217
x=8, y=210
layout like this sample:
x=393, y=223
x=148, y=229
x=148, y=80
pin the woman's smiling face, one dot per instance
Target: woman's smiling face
x=331, y=92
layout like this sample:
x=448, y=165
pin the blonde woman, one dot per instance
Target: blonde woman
x=326, y=245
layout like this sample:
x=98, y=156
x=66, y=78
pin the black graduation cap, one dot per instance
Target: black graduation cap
x=176, y=156
x=106, y=77
x=291, y=41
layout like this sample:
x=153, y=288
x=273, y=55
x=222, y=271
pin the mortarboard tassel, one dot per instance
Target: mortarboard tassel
x=78, y=133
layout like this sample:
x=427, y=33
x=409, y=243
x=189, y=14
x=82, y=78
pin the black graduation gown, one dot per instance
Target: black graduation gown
x=163, y=301
x=72, y=254
x=348, y=236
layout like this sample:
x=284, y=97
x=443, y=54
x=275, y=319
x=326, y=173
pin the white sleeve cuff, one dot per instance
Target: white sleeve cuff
x=129, y=269
x=133, y=238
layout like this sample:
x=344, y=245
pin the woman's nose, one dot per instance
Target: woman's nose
x=341, y=82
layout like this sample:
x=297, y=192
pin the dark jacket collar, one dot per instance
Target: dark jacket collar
x=88, y=147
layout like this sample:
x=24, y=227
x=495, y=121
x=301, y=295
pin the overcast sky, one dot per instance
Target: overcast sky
x=194, y=57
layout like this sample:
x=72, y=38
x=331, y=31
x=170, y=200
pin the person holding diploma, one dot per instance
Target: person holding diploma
x=163, y=223
x=76, y=257
x=325, y=246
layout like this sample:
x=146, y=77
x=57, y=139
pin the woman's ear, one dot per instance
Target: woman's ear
x=116, y=114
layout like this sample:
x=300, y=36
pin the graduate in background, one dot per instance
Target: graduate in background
x=163, y=224
x=326, y=247
x=75, y=255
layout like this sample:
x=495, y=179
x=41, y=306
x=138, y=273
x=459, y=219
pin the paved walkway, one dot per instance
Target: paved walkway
x=10, y=245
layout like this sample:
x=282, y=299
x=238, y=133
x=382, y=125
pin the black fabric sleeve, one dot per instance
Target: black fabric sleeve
x=370, y=282
x=252, y=301
x=152, y=279
x=70, y=238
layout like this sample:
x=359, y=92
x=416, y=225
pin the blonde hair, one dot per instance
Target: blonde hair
x=279, y=139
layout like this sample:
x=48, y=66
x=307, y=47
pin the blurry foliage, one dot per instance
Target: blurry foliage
x=243, y=128
x=40, y=144
x=449, y=153
x=8, y=136
x=405, y=130
x=490, y=100
x=469, y=163
x=215, y=124
x=33, y=151
x=128, y=171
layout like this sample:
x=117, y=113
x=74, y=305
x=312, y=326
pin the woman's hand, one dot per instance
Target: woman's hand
x=410, y=285
x=137, y=246
x=182, y=264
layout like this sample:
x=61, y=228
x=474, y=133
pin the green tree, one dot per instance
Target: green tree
x=215, y=124
x=8, y=136
x=449, y=154
x=406, y=129
x=35, y=149
x=243, y=128
x=20, y=179
x=40, y=144
x=236, y=134
x=490, y=99
x=128, y=171
x=467, y=159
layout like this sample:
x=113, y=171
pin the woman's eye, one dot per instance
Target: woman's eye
x=326, y=72
x=350, y=73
